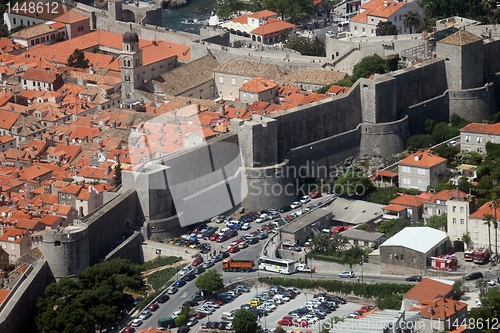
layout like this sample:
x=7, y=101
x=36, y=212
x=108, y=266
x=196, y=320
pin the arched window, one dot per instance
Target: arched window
x=128, y=63
x=127, y=47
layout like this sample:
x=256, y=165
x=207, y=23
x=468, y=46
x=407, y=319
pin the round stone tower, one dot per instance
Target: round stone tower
x=66, y=250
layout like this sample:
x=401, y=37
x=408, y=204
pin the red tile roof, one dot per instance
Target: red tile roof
x=487, y=208
x=422, y=159
x=7, y=120
x=3, y=295
x=386, y=173
x=71, y=189
x=33, y=172
x=272, y=26
x=482, y=128
x=408, y=200
x=394, y=208
x=262, y=14
x=440, y=308
x=12, y=235
x=378, y=8
x=39, y=75
x=446, y=195
x=49, y=219
x=428, y=289
x=258, y=85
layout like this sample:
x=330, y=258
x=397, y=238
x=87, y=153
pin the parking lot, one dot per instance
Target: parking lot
x=271, y=320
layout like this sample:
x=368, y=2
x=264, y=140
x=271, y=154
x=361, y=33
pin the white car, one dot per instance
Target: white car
x=204, y=310
x=491, y=282
x=184, y=270
x=478, y=302
x=176, y=314
x=305, y=199
x=310, y=318
x=145, y=315
x=229, y=326
x=271, y=305
x=245, y=226
x=262, y=218
x=295, y=205
x=213, y=305
x=172, y=290
x=295, y=290
x=136, y=322
x=295, y=315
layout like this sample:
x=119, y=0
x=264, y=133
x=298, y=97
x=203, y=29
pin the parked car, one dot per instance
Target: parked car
x=233, y=249
x=414, y=278
x=184, y=270
x=189, y=276
x=163, y=298
x=172, y=290
x=136, y=322
x=200, y=315
x=145, y=314
x=180, y=283
x=199, y=270
x=207, y=264
x=129, y=329
x=153, y=307
x=262, y=235
x=262, y=218
x=245, y=226
x=285, y=209
x=315, y=195
x=474, y=276
x=192, y=321
x=295, y=205
x=347, y=274
x=198, y=260
x=305, y=199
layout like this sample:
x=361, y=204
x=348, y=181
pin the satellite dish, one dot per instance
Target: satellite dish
x=101, y=157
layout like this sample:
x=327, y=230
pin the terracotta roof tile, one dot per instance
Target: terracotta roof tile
x=408, y=200
x=272, y=26
x=7, y=120
x=71, y=189
x=487, y=208
x=34, y=31
x=482, y=128
x=3, y=295
x=262, y=14
x=33, y=172
x=446, y=195
x=257, y=85
x=439, y=309
x=12, y=235
x=39, y=75
x=422, y=159
x=243, y=19
x=461, y=38
x=428, y=289
x=251, y=69
x=394, y=208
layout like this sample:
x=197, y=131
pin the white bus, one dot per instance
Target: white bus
x=282, y=266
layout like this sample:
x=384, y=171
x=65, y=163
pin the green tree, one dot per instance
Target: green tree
x=328, y=6
x=386, y=28
x=117, y=176
x=317, y=47
x=392, y=227
x=245, y=321
x=466, y=239
x=446, y=151
x=353, y=255
x=77, y=60
x=458, y=289
x=225, y=8
x=210, y=281
x=439, y=222
x=180, y=320
x=411, y=20
x=429, y=126
x=95, y=299
x=488, y=311
x=419, y=141
x=457, y=121
x=353, y=184
x=488, y=220
x=369, y=65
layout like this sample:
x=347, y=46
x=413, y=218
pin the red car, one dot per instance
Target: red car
x=198, y=260
x=266, y=227
x=153, y=307
x=315, y=195
x=129, y=329
x=233, y=249
x=222, y=238
x=285, y=322
x=302, y=323
x=241, y=240
x=216, y=301
x=214, y=236
x=200, y=315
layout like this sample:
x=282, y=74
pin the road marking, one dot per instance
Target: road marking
x=184, y=295
x=239, y=278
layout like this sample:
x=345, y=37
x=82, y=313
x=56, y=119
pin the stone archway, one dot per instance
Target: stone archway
x=128, y=16
x=253, y=38
x=259, y=39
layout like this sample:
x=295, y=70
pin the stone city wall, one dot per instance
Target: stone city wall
x=475, y=105
x=129, y=249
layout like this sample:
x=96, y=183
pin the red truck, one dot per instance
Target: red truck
x=468, y=254
x=231, y=265
x=444, y=262
x=481, y=256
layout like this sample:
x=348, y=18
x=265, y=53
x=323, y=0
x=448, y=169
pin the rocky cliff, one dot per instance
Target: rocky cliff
x=174, y=3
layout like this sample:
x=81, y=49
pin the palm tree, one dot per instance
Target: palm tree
x=411, y=19
x=317, y=46
x=488, y=219
x=495, y=16
x=488, y=5
x=430, y=9
x=495, y=204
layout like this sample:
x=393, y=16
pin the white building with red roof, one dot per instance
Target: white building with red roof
x=473, y=137
x=39, y=34
x=262, y=26
x=375, y=11
x=259, y=89
x=420, y=170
